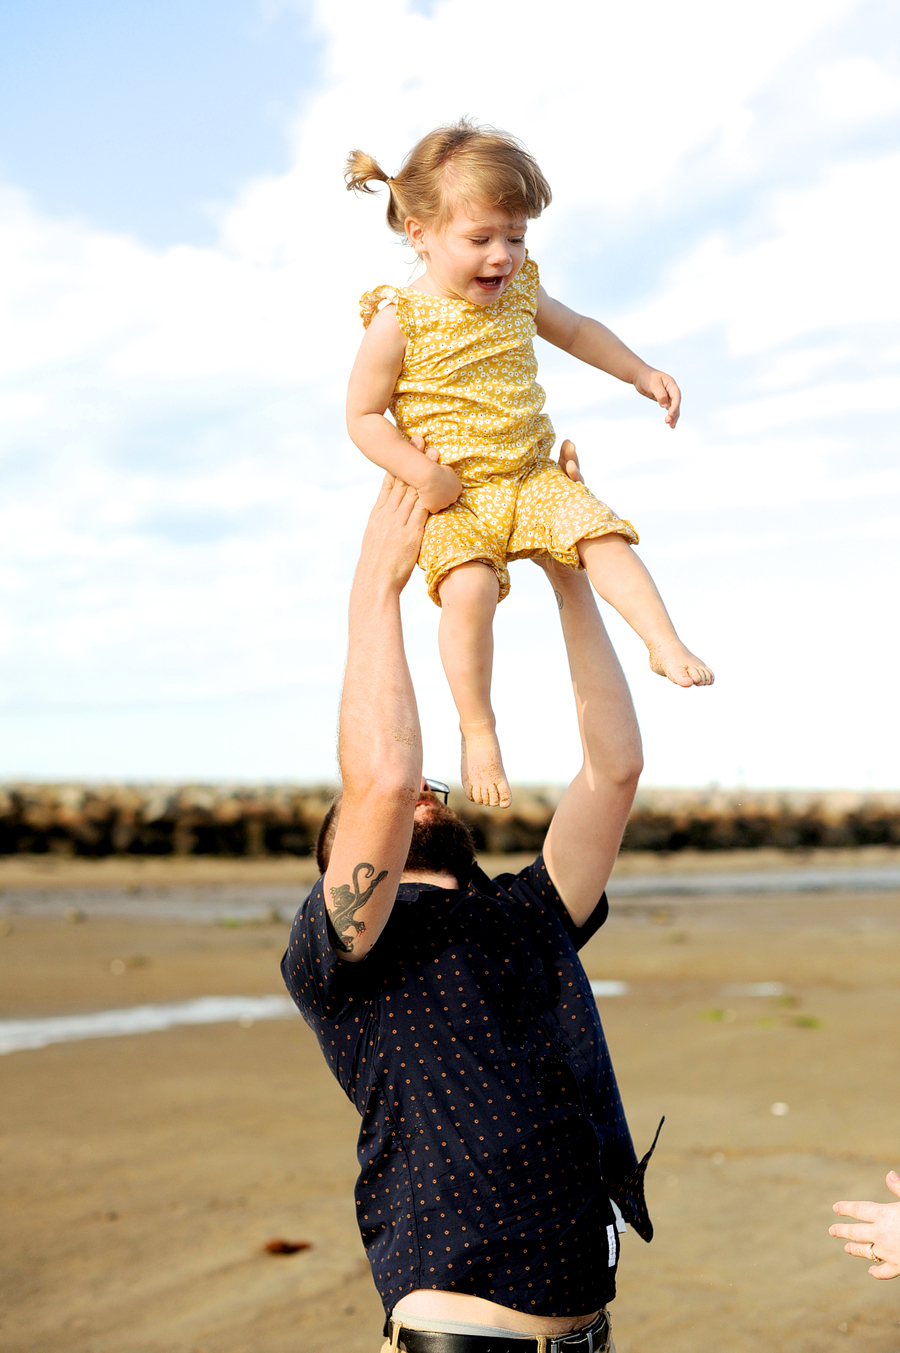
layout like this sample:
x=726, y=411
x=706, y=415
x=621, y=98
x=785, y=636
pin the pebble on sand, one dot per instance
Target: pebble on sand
x=280, y=1246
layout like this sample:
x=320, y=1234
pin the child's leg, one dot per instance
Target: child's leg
x=466, y=639
x=620, y=577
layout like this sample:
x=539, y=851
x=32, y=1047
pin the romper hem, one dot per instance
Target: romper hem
x=569, y=513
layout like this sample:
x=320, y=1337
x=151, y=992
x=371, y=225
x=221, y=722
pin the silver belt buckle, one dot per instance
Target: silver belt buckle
x=582, y=1341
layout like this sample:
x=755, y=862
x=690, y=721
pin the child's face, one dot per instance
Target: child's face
x=475, y=256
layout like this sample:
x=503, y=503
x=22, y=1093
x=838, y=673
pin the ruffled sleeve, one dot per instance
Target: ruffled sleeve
x=372, y=301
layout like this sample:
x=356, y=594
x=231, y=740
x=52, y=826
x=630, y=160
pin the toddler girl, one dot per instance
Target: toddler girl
x=452, y=357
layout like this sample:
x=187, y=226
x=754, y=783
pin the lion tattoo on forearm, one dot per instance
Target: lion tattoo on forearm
x=346, y=901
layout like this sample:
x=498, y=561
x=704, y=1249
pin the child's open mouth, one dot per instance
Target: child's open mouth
x=492, y=283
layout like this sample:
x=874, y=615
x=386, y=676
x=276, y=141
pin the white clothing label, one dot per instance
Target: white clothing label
x=611, y=1239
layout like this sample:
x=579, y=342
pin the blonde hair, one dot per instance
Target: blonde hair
x=460, y=162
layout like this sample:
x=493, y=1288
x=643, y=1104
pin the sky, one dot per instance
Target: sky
x=180, y=505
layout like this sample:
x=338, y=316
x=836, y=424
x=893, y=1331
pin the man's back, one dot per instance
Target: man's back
x=492, y=1131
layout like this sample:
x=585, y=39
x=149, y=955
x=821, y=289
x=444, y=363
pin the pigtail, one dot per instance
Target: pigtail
x=361, y=170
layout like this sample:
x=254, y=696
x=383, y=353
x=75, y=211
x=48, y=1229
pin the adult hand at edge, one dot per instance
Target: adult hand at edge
x=881, y=1235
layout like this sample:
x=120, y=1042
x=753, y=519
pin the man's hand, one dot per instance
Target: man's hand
x=657, y=385
x=879, y=1240
x=568, y=463
x=393, y=535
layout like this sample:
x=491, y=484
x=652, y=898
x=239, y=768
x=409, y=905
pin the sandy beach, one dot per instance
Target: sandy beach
x=144, y=1174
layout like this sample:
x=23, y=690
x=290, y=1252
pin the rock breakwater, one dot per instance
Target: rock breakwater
x=264, y=820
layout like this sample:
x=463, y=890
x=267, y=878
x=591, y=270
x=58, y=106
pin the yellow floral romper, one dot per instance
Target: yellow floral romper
x=469, y=387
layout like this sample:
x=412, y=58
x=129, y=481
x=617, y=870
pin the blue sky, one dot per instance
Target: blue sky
x=145, y=118
x=180, y=503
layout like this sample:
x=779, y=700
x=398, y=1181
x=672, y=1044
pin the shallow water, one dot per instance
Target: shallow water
x=17, y=1035
x=875, y=878
x=206, y=904
x=277, y=902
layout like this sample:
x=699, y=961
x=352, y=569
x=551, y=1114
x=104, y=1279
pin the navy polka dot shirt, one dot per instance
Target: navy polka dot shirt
x=492, y=1133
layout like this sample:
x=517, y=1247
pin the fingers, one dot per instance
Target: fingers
x=400, y=494
x=882, y=1268
x=408, y=502
x=862, y=1212
x=856, y=1235
x=418, y=514
x=673, y=402
x=568, y=460
x=419, y=443
x=398, y=499
x=411, y=510
x=386, y=485
x=870, y=1240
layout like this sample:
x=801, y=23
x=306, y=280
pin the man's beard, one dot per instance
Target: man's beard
x=441, y=844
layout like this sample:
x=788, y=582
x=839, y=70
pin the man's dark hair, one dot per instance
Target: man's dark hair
x=326, y=835
x=441, y=843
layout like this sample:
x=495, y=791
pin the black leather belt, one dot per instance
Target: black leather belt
x=593, y=1338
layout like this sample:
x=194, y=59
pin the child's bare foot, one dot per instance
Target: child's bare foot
x=671, y=659
x=483, y=776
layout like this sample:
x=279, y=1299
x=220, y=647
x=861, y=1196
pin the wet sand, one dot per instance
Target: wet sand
x=143, y=1174
x=135, y=872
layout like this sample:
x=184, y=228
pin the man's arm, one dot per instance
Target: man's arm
x=583, y=838
x=379, y=740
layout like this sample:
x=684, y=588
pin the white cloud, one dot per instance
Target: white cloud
x=857, y=88
x=828, y=260
x=816, y=401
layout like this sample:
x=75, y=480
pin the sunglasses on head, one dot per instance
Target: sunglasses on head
x=439, y=788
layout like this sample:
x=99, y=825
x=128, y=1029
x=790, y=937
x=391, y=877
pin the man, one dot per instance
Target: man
x=454, y=1010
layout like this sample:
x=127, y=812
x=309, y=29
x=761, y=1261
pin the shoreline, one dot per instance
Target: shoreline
x=48, y=872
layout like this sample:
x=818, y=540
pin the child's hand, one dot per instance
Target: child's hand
x=657, y=385
x=439, y=486
x=441, y=489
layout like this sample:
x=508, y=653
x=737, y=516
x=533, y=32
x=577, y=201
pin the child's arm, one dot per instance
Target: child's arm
x=372, y=382
x=591, y=342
